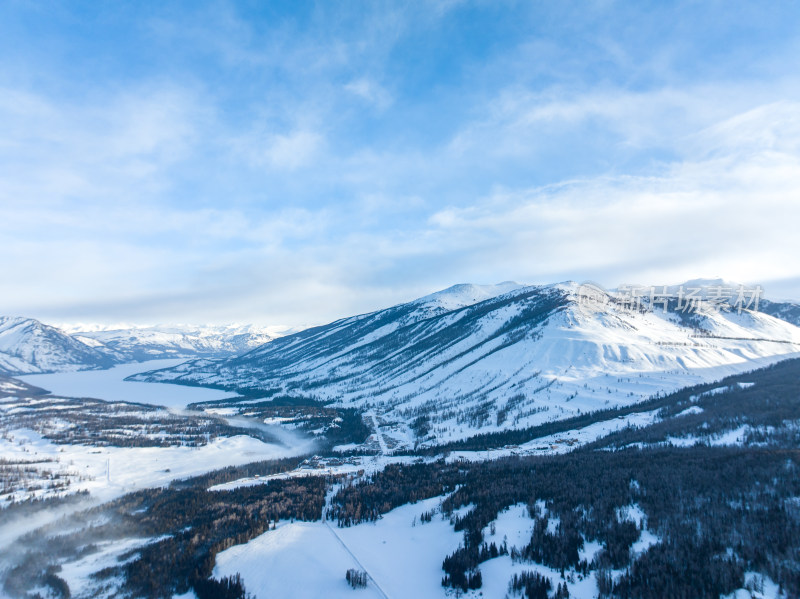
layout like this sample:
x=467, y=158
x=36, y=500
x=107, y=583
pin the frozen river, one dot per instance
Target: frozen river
x=110, y=385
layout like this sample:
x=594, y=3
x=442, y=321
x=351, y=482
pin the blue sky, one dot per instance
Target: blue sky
x=293, y=162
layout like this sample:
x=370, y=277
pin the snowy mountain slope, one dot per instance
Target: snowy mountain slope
x=351, y=344
x=784, y=310
x=522, y=357
x=788, y=311
x=27, y=346
x=186, y=341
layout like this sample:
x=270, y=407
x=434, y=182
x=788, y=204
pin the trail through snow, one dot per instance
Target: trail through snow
x=356, y=560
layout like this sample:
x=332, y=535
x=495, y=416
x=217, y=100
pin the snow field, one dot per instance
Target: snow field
x=298, y=559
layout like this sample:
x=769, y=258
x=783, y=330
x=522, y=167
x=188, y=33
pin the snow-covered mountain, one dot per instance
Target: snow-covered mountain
x=133, y=344
x=28, y=347
x=788, y=311
x=480, y=358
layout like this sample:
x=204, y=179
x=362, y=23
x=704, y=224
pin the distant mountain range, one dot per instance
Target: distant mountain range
x=137, y=344
x=28, y=346
x=481, y=358
x=469, y=358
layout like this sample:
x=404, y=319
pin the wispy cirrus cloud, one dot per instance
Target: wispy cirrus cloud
x=225, y=162
x=727, y=206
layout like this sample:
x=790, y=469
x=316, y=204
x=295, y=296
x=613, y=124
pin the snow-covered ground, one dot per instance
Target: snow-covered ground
x=561, y=442
x=401, y=554
x=402, y=558
x=78, y=573
x=111, y=386
x=298, y=559
x=108, y=472
x=757, y=586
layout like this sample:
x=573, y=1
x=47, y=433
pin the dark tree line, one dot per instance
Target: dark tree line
x=394, y=486
x=717, y=511
x=88, y=421
x=196, y=523
x=229, y=587
x=532, y=584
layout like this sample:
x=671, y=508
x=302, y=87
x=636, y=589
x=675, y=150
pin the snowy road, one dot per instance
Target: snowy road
x=378, y=435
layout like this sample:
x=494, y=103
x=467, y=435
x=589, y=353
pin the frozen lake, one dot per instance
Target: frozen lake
x=109, y=385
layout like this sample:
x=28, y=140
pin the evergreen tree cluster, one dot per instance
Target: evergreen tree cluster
x=356, y=578
x=392, y=487
x=717, y=512
x=532, y=584
x=229, y=587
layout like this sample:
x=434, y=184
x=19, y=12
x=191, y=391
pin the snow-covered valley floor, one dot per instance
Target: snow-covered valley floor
x=401, y=554
x=107, y=472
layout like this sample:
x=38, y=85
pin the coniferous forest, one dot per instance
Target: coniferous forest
x=711, y=512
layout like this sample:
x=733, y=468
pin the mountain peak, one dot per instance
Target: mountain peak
x=467, y=294
x=477, y=357
x=29, y=346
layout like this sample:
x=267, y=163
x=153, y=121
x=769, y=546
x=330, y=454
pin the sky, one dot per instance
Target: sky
x=295, y=162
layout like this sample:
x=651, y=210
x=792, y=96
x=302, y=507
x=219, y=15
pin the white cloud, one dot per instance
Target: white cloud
x=279, y=199
x=293, y=150
x=99, y=148
x=727, y=208
x=521, y=122
x=773, y=127
x=370, y=91
x=731, y=212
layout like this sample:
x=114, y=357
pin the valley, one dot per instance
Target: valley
x=275, y=472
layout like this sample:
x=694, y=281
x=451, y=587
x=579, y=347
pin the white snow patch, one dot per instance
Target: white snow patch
x=632, y=513
x=734, y=437
x=589, y=550
x=513, y=525
x=646, y=540
x=756, y=586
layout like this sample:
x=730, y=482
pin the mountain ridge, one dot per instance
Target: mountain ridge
x=28, y=346
x=521, y=357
